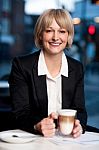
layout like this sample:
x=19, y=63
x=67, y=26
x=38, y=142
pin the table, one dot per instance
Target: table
x=4, y=84
x=43, y=143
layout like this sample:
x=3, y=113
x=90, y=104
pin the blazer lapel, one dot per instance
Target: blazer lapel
x=41, y=91
x=67, y=86
x=65, y=100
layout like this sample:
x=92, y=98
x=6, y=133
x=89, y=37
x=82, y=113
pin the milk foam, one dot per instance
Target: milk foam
x=67, y=112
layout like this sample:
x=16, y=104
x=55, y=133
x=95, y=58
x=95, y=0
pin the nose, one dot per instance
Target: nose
x=55, y=36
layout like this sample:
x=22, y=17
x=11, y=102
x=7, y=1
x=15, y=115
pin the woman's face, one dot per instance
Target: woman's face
x=54, y=38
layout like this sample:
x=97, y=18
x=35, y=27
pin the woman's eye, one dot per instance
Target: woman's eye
x=48, y=30
x=62, y=31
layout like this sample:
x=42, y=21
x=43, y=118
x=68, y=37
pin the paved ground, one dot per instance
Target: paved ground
x=92, y=97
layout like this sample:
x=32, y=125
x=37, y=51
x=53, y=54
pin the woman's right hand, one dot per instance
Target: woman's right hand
x=47, y=125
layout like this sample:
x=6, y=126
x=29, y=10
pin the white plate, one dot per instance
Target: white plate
x=13, y=136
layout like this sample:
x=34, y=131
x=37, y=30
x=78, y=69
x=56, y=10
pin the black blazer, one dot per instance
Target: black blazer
x=28, y=91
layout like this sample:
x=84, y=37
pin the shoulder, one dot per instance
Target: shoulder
x=74, y=64
x=73, y=61
x=28, y=60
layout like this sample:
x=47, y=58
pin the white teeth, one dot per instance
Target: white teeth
x=56, y=44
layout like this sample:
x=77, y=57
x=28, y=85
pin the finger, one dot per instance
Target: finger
x=77, y=122
x=77, y=131
x=48, y=133
x=53, y=115
x=47, y=121
x=47, y=124
x=77, y=134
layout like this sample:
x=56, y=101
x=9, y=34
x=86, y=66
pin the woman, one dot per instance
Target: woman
x=45, y=81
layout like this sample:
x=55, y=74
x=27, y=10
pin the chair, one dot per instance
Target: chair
x=7, y=121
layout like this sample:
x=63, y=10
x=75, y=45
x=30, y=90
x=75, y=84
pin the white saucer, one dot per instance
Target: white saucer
x=19, y=136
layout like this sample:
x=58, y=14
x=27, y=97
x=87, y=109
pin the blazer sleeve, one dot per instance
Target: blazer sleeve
x=79, y=97
x=19, y=92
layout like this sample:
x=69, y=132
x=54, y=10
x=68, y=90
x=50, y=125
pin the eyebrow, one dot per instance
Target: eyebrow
x=59, y=28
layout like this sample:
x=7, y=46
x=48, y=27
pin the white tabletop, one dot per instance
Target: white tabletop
x=43, y=143
x=4, y=84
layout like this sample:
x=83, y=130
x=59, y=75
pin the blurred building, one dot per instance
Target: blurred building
x=11, y=27
x=29, y=22
x=87, y=30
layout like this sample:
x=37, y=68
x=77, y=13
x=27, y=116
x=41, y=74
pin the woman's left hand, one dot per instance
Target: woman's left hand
x=77, y=131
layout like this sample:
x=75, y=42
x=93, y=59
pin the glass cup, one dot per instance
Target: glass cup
x=66, y=118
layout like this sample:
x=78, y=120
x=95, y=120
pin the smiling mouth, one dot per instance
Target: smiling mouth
x=54, y=44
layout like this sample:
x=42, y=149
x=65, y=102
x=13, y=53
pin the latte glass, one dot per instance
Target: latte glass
x=66, y=118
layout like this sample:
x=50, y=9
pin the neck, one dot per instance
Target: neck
x=53, y=63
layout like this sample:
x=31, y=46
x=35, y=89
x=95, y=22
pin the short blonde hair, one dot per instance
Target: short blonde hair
x=62, y=18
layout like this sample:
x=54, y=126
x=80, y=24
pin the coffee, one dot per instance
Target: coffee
x=66, y=120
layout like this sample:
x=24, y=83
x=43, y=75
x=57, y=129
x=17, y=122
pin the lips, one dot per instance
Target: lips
x=54, y=44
